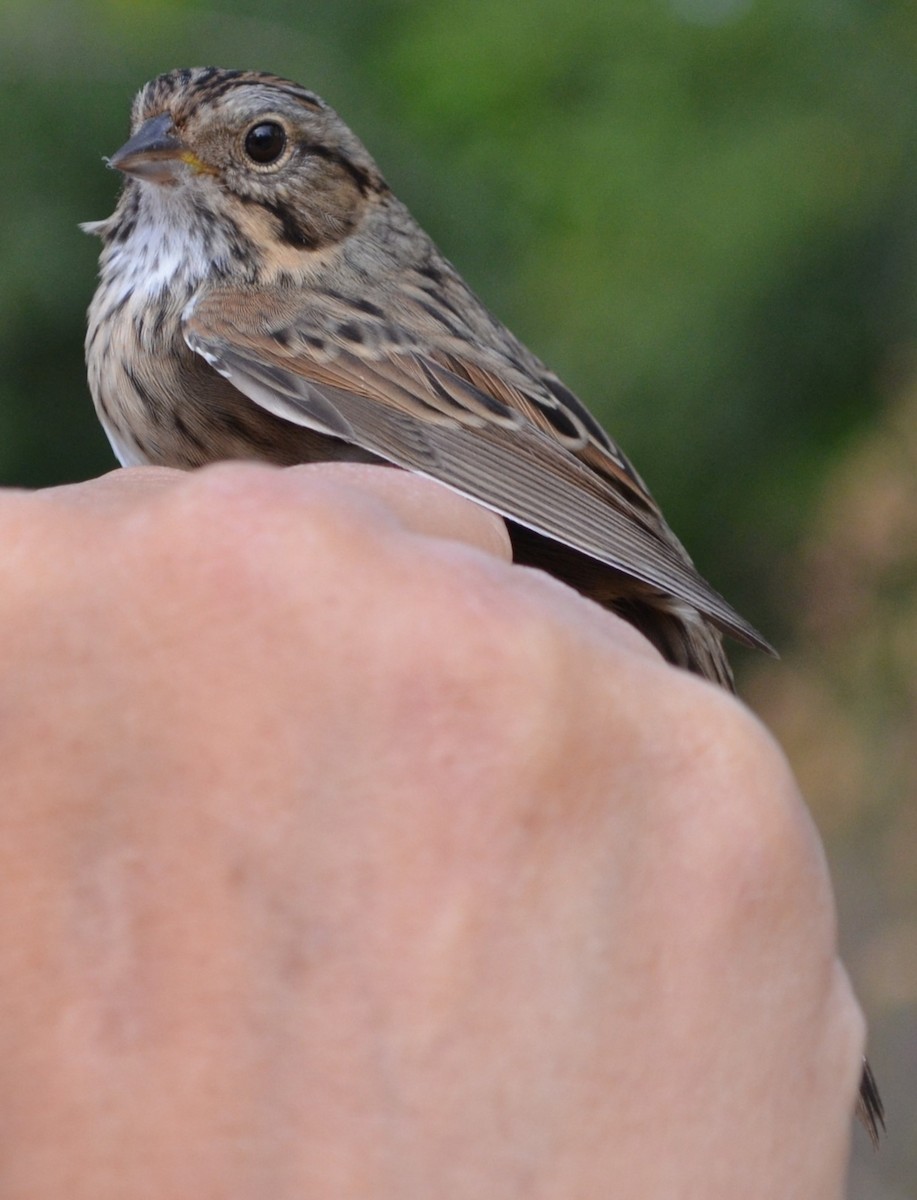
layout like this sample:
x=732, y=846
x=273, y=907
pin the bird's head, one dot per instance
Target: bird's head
x=254, y=149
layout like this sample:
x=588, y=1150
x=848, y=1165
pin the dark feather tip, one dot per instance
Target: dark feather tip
x=870, y=1108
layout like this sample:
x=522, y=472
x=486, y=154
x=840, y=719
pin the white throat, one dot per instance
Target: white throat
x=167, y=248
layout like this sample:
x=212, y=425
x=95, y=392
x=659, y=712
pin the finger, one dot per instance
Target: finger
x=424, y=507
x=419, y=505
x=121, y=488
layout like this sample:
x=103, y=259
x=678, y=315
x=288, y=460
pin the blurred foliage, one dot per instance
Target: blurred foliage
x=844, y=705
x=700, y=212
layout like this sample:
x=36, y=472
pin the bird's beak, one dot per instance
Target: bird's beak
x=156, y=153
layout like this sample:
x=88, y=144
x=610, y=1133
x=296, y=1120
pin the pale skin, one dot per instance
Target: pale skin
x=341, y=858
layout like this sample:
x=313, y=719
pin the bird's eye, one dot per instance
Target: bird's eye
x=266, y=142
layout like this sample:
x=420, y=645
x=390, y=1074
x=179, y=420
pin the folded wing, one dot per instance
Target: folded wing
x=517, y=445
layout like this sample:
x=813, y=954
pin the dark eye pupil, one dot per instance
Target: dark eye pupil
x=265, y=143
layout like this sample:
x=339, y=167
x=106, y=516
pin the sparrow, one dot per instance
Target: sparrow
x=264, y=295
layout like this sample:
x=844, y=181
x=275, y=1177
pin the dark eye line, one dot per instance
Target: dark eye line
x=364, y=181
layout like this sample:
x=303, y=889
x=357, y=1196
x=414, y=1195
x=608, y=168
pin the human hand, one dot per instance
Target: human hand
x=339, y=857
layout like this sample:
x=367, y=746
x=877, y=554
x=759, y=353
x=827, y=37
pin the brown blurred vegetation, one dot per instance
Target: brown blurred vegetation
x=844, y=704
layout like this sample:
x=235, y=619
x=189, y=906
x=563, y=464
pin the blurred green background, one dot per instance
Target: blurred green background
x=702, y=214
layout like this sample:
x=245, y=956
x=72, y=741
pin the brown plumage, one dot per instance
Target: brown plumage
x=264, y=295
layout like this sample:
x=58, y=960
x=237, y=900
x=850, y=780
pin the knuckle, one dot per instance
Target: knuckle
x=740, y=832
x=255, y=525
x=485, y=658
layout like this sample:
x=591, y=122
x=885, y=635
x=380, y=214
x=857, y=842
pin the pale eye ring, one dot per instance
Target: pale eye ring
x=265, y=142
